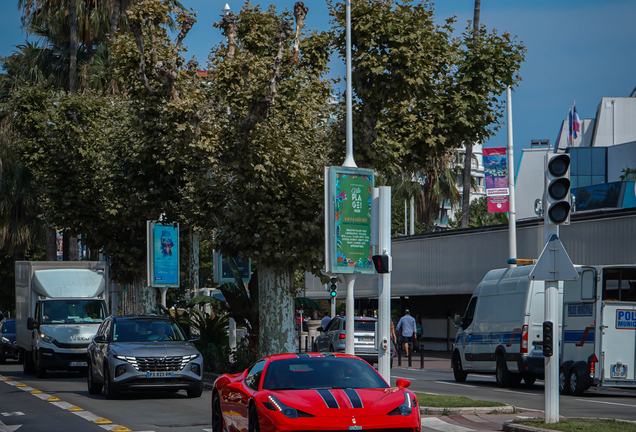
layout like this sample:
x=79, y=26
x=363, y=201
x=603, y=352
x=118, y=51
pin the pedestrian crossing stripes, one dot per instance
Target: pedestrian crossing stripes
x=437, y=424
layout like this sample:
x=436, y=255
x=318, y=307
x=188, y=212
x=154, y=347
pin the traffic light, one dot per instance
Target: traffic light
x=333, y=287
x=548, y=342
x=557, y=183
x=381, y=263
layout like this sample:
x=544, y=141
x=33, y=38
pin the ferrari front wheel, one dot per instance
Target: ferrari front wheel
x=217, y=414
x=253, y=424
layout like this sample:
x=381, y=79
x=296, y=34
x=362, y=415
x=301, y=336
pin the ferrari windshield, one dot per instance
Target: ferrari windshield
x=305, y=373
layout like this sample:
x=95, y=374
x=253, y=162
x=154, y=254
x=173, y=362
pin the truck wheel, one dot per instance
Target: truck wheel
x=27, y=364
x=564, y=385
x=458, y=370
x=40, y=367
x=529, y=380
x=575, y=384
x=503, y=375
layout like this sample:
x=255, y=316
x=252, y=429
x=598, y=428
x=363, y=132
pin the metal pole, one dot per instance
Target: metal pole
x=406, y=219
x=412, y=216
x=333, y=307
x=384, y=283
x=552, y=363
x=349, y=162
x=350, y=280
x=512, y=214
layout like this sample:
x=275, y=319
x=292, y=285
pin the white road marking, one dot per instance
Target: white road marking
x=455, y=384
x=441, y=425
x=26, y=388
x=608, y=403
x=86, y=415
x=63, y=405
x=5, y=428
x=396, y=377
x=12, y=414
x=43, y=396
x=12, y=383
x=521, y=393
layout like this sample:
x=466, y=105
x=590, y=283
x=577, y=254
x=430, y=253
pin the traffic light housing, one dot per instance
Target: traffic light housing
x=557, y=195
x=548, y=341
x=381, y=263
x=333, y=287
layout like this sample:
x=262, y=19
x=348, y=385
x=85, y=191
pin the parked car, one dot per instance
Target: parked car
x=306, y=392
x=143, y=353
x=8, y=347
x=332, y=338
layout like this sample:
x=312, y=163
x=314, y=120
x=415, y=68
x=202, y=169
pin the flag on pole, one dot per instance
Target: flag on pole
x=576, y=123
x=570, y=131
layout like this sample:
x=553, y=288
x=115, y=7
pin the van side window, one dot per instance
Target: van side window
x=619, y=284
x=470, y=312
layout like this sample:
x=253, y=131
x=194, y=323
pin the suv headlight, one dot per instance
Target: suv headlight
x=47, y=339
x=5, y=340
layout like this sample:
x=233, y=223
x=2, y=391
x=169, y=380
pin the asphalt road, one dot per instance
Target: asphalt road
x=64, y=404
x=606, y=403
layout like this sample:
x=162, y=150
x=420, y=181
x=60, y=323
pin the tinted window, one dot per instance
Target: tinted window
x=254, y=375
x=334, y=324
x=8, y=327
x=321, y=372
x=147, y=330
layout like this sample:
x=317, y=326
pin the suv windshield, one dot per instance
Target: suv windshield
x=8, y=327
x=147, y=330
x=73, y=311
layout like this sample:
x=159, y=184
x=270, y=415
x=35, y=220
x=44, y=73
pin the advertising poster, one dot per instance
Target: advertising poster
x=496, y=169
x=227, y=275
x=351, y=194
x=164, y=254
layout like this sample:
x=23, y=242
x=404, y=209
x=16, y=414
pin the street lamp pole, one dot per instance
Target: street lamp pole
x=349, y=162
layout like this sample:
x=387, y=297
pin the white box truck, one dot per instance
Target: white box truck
x=502, y=328
x=599, y=329
x=59, y=307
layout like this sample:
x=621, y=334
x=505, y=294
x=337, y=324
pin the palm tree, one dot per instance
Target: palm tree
x=469, y=144
x=20, y=224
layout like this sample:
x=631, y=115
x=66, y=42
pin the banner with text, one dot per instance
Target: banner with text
x=163, y=254
x=351, y=219
x=496, y=169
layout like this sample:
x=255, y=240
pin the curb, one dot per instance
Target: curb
x=506, y=409
x=516, y=427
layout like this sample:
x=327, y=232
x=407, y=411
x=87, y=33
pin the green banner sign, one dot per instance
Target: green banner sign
x=351, y=194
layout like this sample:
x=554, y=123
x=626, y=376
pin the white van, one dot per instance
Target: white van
x=496, y=334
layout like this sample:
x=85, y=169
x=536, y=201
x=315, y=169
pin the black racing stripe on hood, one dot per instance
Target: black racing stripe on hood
x=354, y=398
x=329, y=399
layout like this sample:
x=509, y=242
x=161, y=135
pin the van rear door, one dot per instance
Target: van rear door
x=618, y=337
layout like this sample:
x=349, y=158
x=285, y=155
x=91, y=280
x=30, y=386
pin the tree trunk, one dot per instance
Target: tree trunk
x=114, y=19
x=69, y=247
x=276, y=310
x=469, y=145
x=72, y=76
x=50, y=243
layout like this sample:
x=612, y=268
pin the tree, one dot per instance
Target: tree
x=479, y=215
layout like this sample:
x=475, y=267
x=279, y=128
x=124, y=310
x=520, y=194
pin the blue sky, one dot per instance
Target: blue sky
x=579, y=50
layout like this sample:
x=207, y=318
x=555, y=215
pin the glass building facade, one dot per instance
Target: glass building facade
x=588, y=166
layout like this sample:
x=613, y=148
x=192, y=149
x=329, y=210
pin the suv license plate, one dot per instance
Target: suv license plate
x=159, y=374
x=618, y=371
x=76, y=364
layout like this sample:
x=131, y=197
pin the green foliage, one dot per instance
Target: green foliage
x=479, y=216
x=628, y=174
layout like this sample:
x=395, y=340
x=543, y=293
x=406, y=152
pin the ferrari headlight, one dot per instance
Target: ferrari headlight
x=406, y=407
x=287, y=411
x=47, y=339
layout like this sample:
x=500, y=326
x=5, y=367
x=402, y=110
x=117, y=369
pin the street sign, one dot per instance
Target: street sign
x=554, y=264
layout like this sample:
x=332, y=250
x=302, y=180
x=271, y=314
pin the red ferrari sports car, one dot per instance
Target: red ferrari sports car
x=312, y=392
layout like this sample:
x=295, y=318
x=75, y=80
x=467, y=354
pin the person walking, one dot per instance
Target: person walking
x=325, y=321
x=408, y=326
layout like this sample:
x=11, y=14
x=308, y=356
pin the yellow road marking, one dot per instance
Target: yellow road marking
x=102, y=420
x=120, y=429
x=75, y=408
x=8, y=379
x=36, y=391
x=21, y=385
x=53, y=399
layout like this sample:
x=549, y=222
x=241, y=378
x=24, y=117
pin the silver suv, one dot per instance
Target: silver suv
x=332, y=338
x=143, y=353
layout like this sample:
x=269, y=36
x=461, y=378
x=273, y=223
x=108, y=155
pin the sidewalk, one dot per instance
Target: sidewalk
x=431, y=359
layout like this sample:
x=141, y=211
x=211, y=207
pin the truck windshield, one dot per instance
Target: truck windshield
x=73, y=311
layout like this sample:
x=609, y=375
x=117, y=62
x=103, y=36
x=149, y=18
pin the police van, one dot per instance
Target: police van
x=502, y=329
x=599, y=329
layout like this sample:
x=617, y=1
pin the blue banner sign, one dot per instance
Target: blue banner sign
x=163, y=254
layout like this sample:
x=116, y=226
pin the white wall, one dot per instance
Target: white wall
x=620, y=157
